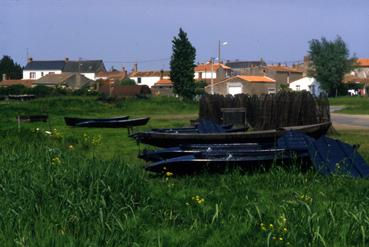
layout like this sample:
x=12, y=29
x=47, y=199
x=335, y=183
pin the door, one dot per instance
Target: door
x=234, y=88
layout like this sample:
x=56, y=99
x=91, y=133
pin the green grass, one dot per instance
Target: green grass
x=85, y=187
x=353, y=105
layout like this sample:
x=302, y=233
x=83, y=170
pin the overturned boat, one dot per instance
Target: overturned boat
x=73, y=121
x=169, y=139
x=222, y=161
x=128, y=123
x=194, y=149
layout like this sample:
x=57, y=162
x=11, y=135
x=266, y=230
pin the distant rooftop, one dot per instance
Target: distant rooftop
x=45, y=65
x=83, y=66
x=237, y=64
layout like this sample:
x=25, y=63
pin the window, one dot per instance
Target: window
x=271, y=90
x=32, y=75
x=297, y=87
x=200, y=75
x=42, y=73
x=51, y=73
x=138, y=79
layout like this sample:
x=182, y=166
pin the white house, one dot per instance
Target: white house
x=217, y=72
x=308, y=84
x=34, y=70
x=88, y=68
x=148, y=78
x=362, y=70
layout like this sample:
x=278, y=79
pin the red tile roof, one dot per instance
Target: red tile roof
x=117, y=75
x=6, y=83
x=164, y=82
x=148, y=73
x=207, y=67
x=363, y=62
x=252, y=78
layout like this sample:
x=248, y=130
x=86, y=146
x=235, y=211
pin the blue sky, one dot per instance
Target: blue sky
x=122, y=32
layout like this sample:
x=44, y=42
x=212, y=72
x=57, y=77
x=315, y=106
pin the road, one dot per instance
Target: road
x=348, y=121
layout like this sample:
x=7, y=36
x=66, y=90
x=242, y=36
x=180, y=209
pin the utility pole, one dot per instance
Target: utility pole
x=219, y=60
x=212, y=79
x=79, y=72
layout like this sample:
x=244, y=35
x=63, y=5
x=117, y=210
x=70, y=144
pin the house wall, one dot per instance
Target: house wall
x=250, y=88
x=205, y=75
x=148, y=80
x=362, y=72
x=90, y=76
x=39, y=73
x=218, y=75
x=307, y=84
x=162, y=91
x=279, y=76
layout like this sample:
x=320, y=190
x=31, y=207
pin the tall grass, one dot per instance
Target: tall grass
x=72, y=188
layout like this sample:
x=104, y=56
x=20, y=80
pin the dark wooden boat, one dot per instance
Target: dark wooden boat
x=172, y=152
x=33, y=118
x=128, y=123
x=265, y=136
x=219, y=162
x=22, y=97
x=226, y=128
x=72, y=121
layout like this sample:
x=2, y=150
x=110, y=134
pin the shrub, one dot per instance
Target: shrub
x=42, y=91
x=127, y=82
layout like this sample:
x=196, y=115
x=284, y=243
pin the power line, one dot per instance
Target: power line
x=140, y=61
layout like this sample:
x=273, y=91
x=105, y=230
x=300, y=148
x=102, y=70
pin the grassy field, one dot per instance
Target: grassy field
x=353, y=105
x=62, y=186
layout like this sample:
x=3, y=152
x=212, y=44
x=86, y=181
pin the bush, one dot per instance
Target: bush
x=127, y=82
x=42, y=91
x=15, y=89
x=200, y=87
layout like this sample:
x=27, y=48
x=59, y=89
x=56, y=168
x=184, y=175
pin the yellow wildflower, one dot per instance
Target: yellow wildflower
x=56, y=161
x=169, y=174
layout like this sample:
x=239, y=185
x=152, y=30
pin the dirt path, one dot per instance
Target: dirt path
x=347, y=121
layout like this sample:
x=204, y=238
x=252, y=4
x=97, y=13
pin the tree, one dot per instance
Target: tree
x=330, y=62
x=11, y=69
x=126, y=82
x=182, y=66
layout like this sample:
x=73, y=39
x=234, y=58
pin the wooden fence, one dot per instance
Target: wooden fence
x=269, y=111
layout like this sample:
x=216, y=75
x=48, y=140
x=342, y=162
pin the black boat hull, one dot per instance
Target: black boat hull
x=267, y=136
x=71, y=121
x=172, y=152
x=114, y=124
x=249, y=162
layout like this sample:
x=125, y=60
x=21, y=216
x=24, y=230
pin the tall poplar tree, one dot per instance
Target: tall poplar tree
x=182, y=66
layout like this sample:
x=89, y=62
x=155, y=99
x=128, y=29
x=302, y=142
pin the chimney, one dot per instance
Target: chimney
x=161, y=74
x=29, y=60
x=124, y=72
x=4, y=77
x=66, y=59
